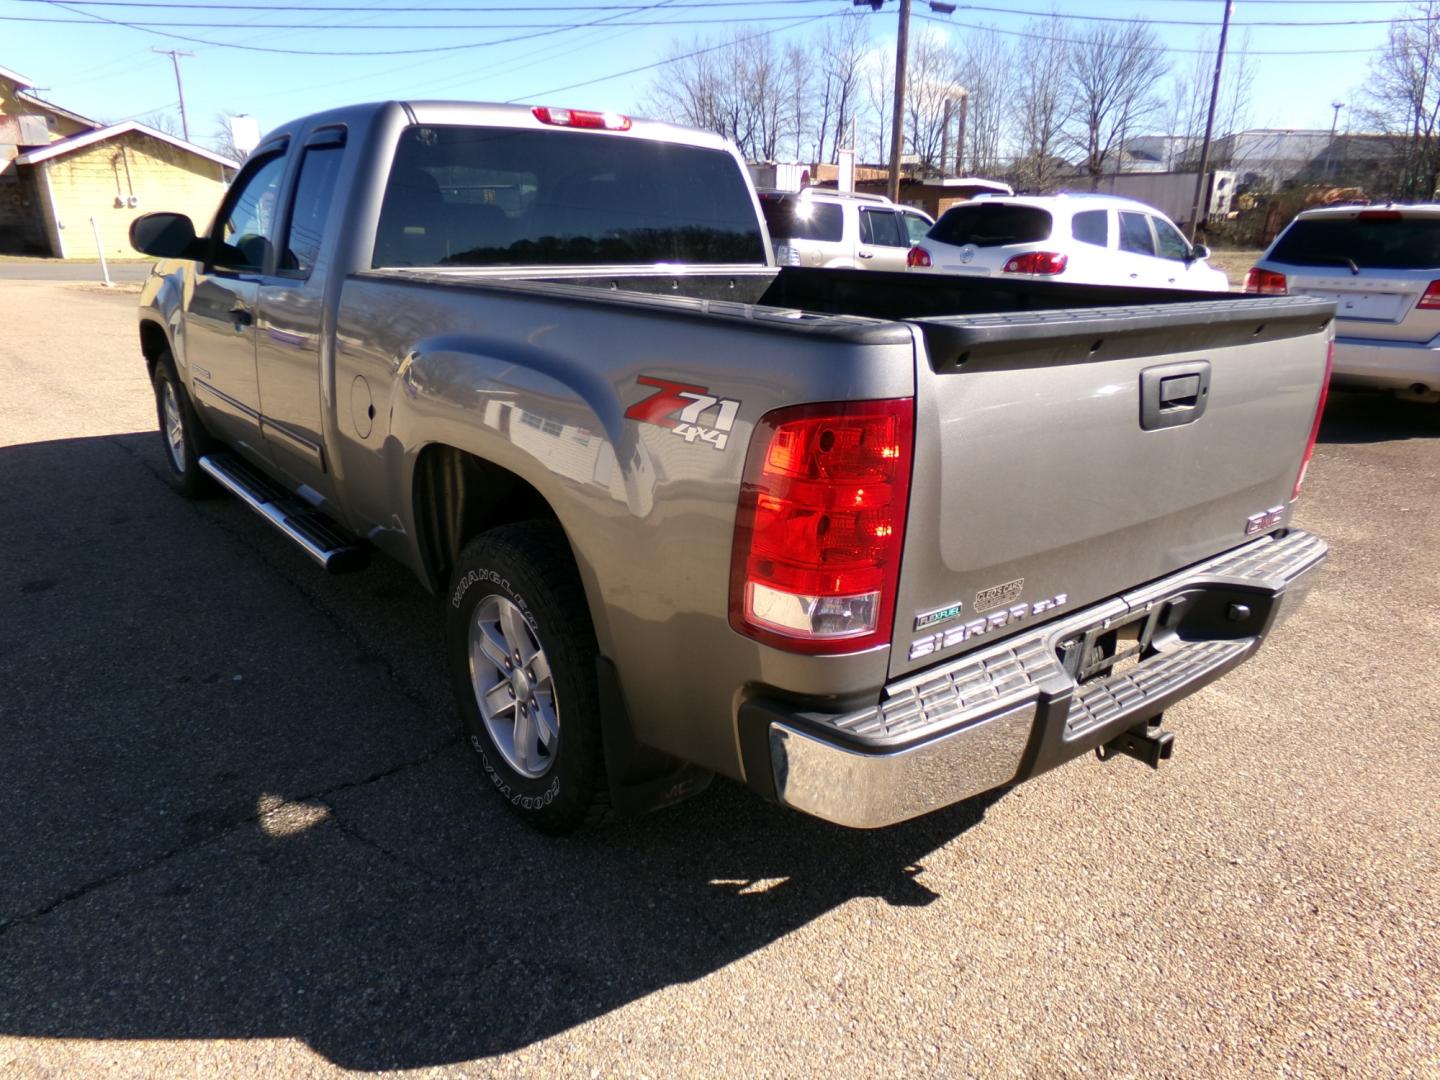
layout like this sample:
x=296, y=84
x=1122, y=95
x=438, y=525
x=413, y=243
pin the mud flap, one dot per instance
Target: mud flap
x=641, y=778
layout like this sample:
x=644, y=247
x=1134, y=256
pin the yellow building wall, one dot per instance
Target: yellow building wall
x=101, y=180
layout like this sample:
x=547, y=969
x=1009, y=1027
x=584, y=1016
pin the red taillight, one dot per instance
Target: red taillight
x=1037, y=262
x=1266, y=281
x=1315, y=424
x=821, y=524
x=1431, y=300
x=580, y=118
x=918, y=256
x=1379, y=215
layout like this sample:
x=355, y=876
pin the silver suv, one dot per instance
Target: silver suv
x=827, y=228
x=1381, y=266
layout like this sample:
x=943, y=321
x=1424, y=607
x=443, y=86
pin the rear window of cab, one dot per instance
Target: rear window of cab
x=791, y=218
x=992, y=225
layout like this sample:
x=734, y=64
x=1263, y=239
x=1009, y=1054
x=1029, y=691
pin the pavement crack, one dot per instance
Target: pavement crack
x=79, y=892
x=350, y=832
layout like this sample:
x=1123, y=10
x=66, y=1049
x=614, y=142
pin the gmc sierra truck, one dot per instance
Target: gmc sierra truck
x=868, y=543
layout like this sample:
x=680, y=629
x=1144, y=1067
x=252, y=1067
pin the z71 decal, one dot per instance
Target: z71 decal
x=679, y=406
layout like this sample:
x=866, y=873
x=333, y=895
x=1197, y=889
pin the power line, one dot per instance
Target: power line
x=673, y=59
x=1150, y=48
x=193, y=5
x=428, y=26
x=433, y=50
x=190, y=5
x=523, y=9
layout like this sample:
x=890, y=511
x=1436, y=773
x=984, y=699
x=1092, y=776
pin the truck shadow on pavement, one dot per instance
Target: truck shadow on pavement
x=235, y=807
x=1352, y=417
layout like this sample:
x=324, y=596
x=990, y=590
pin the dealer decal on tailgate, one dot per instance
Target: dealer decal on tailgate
x=679, y=406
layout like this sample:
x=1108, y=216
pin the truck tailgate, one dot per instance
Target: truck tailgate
x=1063, y=457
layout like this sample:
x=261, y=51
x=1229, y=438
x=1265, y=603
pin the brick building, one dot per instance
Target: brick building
x=59, y=169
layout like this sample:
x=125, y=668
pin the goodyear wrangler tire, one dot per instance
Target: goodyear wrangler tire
x=181, y=435
x=522, y=656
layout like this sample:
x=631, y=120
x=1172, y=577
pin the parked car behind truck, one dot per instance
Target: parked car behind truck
x=1380, y=265
x=1099, y=239
x=868, y=543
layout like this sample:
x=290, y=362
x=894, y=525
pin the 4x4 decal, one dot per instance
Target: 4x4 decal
x=679, y=406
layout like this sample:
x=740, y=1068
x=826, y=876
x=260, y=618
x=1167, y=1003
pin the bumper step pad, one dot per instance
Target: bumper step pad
x=1019, y=669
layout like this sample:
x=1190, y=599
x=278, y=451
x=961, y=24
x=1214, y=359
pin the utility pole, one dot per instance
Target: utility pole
x=1330, y=149
x=960, y=140
x=897, y=120
x=175, y=55
x=1210, y=124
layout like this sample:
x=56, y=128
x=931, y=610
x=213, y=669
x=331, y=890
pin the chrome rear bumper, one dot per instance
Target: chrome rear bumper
x=1007, y=712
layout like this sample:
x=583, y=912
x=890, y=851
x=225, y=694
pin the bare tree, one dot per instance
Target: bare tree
x=1190, y=101
x=162, y=120
x=930, y=78
x=222, y=141
x=842, y=48
x=880, y=100
x=1112, y=77
x=1404, y=98
x=738, y=89
x=1039, y=106
x=987, y=71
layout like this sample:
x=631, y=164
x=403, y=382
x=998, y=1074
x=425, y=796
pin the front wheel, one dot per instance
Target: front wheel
x=522, y=657
x=181, y=435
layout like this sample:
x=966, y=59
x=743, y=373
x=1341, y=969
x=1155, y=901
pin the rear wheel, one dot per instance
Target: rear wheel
x=522, y=656
x=181, y=435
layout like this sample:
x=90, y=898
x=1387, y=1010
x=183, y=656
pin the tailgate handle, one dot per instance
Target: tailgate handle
x=1173, y=394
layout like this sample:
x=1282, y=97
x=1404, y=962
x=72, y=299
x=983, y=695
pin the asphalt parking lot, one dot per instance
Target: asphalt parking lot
x=240, y=836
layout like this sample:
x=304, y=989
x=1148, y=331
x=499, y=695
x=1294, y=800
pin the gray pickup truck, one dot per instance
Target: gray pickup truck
x=866, y=542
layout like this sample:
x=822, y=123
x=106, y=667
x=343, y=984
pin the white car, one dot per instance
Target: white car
x=816, y=227
x=1089, y=239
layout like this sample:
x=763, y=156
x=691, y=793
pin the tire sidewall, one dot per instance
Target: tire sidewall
x=189, y=480
x=549, y=800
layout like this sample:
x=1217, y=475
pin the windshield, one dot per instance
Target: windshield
x=1383, y=243
x=474, y=196
x=992, y=225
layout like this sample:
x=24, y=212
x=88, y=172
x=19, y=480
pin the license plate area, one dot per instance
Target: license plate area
x=1106, y=651
x=1375, y=307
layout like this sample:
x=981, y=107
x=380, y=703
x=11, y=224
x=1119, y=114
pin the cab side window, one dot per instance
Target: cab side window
x=243, y=229
x=1171, y=244
x=1135, y=234
x=314, y=193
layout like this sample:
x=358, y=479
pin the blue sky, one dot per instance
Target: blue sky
x=88, y=63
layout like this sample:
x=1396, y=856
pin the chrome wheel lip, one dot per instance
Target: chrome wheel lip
x=513, y=686
x=174, y=422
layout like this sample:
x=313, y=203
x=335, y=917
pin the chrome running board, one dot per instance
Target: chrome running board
x=313, y=532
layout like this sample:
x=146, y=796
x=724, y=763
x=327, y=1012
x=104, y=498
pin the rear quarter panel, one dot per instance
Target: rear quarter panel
x=539, y=386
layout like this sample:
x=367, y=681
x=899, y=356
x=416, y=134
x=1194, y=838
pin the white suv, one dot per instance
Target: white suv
x=1091, y=239
x=827, y=228
x=1381, y=266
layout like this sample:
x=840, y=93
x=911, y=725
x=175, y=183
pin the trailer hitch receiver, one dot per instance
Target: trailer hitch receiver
x=1147, y=742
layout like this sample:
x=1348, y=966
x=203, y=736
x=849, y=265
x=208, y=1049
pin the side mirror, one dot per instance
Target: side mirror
x=166, y=236
x=1199, y=251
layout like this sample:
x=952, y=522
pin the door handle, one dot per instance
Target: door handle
x=866, y=254
x=241, y=316
x=1174, y=394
